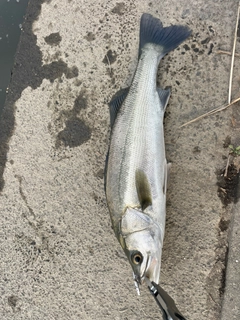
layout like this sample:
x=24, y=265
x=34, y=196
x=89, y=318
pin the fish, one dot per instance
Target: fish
x=136, y=169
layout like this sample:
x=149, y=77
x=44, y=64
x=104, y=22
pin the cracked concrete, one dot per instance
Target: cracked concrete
x=59, y=257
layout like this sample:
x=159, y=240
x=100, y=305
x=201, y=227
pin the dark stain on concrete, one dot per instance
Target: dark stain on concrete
x=210, y=28
x=75, y=133
x=53, y=39
x=196, y=149
x=119, y=8
x=205, y=41
x=107, y=36
x=100, y=174
x=211, y=48
x=110, y=57
x=80, y=102
x=12, y=301
x=227, y=142
x=223, y=273
x=90, y=36
x=223, y=224
x=56, y=69
x=186, y=47
x=228, y=186
x=27, y=71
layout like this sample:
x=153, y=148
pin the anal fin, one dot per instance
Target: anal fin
x=164, y=96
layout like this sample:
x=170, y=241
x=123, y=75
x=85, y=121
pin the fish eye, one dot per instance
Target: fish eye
x=137, y=258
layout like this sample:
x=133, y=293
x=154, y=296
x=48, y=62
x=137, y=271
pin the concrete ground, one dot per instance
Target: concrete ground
x=59, y=257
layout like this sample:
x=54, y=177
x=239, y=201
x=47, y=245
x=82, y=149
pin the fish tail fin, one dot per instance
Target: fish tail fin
x=166, y=39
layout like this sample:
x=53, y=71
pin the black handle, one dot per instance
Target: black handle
x=166, y=303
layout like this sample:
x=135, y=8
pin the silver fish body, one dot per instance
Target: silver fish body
x=136, y=175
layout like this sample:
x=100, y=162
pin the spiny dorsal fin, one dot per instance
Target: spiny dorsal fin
x=116, y=103
x=164, y=97
x=143, y=189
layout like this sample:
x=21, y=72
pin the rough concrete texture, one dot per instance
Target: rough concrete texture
x=59, y=257
x=231, y=303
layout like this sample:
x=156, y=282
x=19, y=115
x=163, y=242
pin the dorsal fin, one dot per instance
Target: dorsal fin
x=143, y=189
x=116, y=103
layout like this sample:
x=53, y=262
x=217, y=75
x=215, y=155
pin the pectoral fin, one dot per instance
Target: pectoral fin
x=143, y=189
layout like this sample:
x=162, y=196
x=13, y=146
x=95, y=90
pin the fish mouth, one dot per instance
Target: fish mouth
x=139, y=279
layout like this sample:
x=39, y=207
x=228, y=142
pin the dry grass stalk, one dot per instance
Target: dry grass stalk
x=230, y=80
x=227, y=52
x=227, y=165
x=210, y=112
x=109, y=64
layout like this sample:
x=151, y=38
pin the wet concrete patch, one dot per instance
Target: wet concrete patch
x=53, y=39
x=75, y=133
x=80, y=102
x=56, y=69
x=11, y=19
x=27, y=71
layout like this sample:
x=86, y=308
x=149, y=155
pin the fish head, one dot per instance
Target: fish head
x=144, y=254
x=142, y=243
